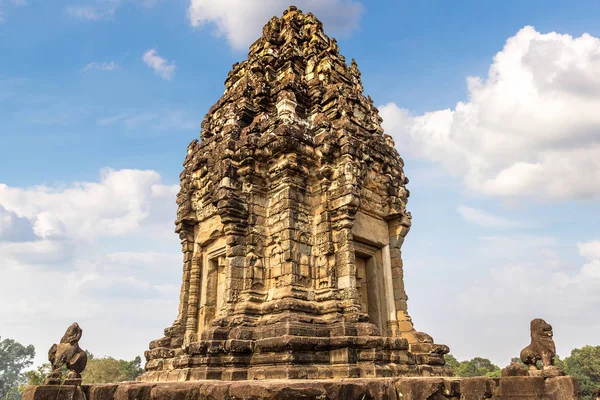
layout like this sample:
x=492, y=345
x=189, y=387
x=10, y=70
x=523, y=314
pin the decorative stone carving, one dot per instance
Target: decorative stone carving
x=541, y=348
x=292, y=214
x=286, y=105
x=67, y=354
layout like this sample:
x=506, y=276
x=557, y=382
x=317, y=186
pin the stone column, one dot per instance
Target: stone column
x=390, y=304
x=191, y=326
x=399, y=228
x=345, y=261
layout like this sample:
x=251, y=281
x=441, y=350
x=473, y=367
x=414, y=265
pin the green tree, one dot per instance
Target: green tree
x=111, y=370
x=452, y=363
x=36, y=376
x=584, y=365
x=476, y=367
x=14, y=358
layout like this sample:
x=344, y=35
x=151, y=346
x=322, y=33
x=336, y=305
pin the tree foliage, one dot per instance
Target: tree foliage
x=36, y=376
x=452, y=362
x=98, y=370
x=478, y=366
x=584, y=365
x=111, y=370
x=14, y=358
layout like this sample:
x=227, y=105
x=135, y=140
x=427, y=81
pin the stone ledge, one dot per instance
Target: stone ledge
x=55, y=392
x=508, y=388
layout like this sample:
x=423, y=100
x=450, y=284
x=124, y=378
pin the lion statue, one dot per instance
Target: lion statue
x=542, y=347
x=67, y=354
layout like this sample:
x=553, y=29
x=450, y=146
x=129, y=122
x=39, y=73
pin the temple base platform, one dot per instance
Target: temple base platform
x=405, y=388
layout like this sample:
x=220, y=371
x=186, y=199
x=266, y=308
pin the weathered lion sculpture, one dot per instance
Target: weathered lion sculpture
x=68, y=354
x=542, y=346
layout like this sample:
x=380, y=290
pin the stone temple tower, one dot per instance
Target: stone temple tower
x=292, y=213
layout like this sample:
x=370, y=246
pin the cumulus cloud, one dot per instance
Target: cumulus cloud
x=528, y=286
x=161, y=66
x=103, y=295
x=104, y=66
x=527, y=279
x=14, y=228
x=529, y=129
x=43, y=226
x=126, y=274
x=519, y=249
x=45, y=252
x=482, y=218
x=101, y=253
x=241, y=21
x=116, y=205
x=590, y=250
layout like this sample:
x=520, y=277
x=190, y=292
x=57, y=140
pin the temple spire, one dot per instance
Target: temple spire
x=292, y=214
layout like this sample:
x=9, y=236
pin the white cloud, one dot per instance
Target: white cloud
x=101, y=253
x=126, y=274
x=519, y=249
x=241, y=21
x=161, y=66
x=530, y=129
x=116, y=205
x=530, y=281
x=590, y=250
x=135, y=300
x=482, y=218
x=104, y=66
x=36, y=252
x=14, y=228
x=90, y=13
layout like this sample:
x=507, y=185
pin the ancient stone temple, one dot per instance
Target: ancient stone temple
x=292, y=214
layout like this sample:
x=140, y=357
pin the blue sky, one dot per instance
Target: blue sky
x=99, y=99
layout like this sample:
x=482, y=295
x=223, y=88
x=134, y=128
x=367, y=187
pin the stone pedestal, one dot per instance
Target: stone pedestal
x=534, y=388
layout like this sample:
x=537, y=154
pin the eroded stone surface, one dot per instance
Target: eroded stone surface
x=541, y=348
x=67, y=353
x=55, y=392
x=292, y=214
x=517, y=388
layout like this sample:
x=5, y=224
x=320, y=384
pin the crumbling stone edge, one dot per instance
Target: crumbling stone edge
x=419, y=388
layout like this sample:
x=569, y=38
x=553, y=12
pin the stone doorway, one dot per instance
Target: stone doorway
x=213, y=293
x=369, y=283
